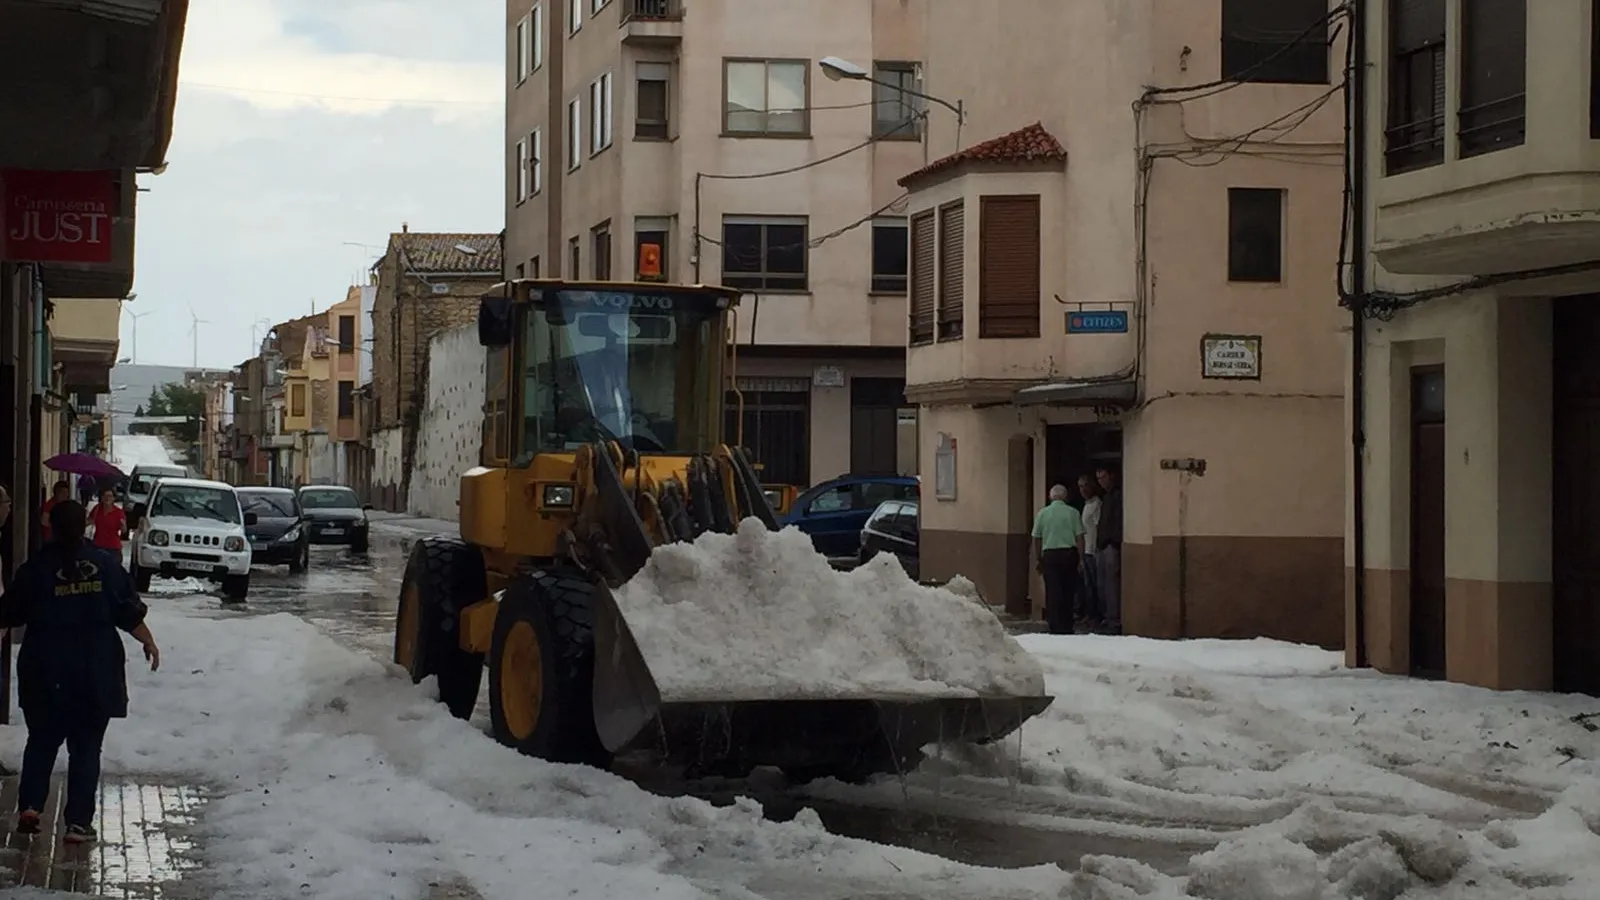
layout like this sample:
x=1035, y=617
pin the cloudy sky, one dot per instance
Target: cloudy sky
x=306, y=128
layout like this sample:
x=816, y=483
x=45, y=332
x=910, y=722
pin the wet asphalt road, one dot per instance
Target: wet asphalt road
x=353, y=598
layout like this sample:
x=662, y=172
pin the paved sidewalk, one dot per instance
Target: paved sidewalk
x=144, y=852
x=401, y=522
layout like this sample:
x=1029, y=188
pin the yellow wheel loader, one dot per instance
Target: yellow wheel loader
x=603, y=439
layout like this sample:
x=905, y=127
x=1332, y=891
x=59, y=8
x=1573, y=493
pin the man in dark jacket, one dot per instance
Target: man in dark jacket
x=72, y=598
x=1108, y=550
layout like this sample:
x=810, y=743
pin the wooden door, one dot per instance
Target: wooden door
x=1427, y=522
x=1575, y=500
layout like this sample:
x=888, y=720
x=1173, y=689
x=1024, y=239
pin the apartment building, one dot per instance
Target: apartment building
x=646, y=141
x=1474, y=548
x=1129, y=264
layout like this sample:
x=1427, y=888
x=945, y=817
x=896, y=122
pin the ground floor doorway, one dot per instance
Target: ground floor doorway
x=1073, y=451
x=777, y=427
x=1427, y=522
x=1575, y=497
x=875, y=405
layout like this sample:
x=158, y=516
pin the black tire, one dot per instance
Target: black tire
x=301, y=561
x=235, y=588
x=359, y=544
x=444, y=575
x=141, y=578
x=559, y=607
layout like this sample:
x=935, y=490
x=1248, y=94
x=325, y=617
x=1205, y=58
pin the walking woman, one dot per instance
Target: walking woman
x=72, y=598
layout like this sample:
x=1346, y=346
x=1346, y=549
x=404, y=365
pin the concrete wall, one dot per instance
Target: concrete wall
x=449, y=433
x=322, y=460
x=387, y=468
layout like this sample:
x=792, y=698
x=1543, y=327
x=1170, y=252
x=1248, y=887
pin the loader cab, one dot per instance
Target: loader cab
x=641, y=365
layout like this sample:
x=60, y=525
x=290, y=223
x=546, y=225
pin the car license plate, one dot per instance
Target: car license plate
x=333, y=531
x=258, y=545
x=192, y=566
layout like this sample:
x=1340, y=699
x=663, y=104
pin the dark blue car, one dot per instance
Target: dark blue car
x=833, y=512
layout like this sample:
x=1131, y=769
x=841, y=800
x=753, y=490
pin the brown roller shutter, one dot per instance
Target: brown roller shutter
x=922, y=277
x=952, y=269
x=1008, y=267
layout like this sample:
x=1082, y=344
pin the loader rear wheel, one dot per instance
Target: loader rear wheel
x=541, y=669
x=443, y=576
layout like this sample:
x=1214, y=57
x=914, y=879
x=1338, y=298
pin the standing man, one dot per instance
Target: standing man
x=1108, y=549
x=60, y=492
x=1058, y=555
x=1094, y=613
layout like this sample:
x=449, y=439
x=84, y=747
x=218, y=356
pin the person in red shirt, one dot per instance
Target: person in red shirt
x=59, y=492
x=109, y=521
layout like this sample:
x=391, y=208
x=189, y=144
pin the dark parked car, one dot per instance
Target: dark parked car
x=335, y=515
x=894, y=527
x=834, y=511
x=279, y=536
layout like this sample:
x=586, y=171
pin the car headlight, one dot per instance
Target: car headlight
x=559, y=495
x=158, y=538
x=233, y=544
x=291, y=535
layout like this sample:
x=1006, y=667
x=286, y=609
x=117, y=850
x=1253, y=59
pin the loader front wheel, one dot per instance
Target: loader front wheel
x=443, y=576
x=541, y=669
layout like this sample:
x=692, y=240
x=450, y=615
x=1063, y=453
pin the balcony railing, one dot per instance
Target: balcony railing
x=652, y=10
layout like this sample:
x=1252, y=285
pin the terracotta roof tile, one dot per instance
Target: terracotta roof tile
x=1029, y=144
x=436, y=252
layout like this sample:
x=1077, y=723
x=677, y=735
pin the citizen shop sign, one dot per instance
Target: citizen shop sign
x=57, y=216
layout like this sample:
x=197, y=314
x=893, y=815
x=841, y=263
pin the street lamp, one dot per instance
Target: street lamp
x=844, y=70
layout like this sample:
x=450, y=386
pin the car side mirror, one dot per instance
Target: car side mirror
x=251, y=518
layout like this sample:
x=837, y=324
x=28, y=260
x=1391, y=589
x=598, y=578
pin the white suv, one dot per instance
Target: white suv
x=194, y=529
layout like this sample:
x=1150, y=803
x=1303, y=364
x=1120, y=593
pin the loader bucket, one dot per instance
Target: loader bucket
x=802, y=733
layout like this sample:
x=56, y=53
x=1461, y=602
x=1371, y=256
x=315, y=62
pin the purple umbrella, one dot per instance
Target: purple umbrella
x=82, y=464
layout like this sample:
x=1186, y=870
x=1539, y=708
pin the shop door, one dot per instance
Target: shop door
x=1575, y=506
x=1427, y=522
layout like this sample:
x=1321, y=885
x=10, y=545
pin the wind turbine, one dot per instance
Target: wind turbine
x=133, y=356
x=194, y=334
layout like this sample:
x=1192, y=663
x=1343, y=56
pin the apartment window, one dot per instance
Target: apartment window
x=522, y=271
x=574, y=16
x=347, y=334
x=347, y=399
x=574, y=134
x=297, y=400
x=600, y=244
x=764, y=253
x=524, y=48
x=650, y=242
x=599, y=5
x=575, y=258
x=522, y=170
x=536, y=37
x=923, y=277
x=652, y=118
x=765, y=97
x=600, y=114
x=1414, y=133
x=533, y=267
x=895, y=113
x=535, y=161
x=1275, y=41
x=1008, y=266
x=1255, y=234
x=952, y=269
x=889, y=252
x=1494, y=75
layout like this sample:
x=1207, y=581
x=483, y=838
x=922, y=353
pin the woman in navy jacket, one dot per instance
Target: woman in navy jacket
x=72, y=681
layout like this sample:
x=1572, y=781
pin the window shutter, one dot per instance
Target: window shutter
x=922, y=277
x=952, y=269
x=1008, y=267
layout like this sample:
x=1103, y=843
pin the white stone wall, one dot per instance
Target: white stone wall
x=449, y=433
x=322, y=454
x=387, y=446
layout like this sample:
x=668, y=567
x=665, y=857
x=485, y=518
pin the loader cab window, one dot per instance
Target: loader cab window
x=630, y=366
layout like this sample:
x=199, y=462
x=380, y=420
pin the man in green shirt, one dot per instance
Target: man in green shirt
x=1058, y=554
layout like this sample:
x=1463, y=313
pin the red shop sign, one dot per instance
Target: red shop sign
x=56, y=216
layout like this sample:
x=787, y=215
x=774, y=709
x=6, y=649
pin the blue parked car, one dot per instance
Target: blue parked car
x=835, y=511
